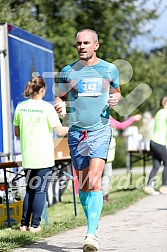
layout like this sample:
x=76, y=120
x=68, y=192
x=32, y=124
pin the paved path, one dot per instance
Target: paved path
x=142, y=227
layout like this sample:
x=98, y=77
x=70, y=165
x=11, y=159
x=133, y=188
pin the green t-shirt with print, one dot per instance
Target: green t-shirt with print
x=160, y=128
x=36, y=120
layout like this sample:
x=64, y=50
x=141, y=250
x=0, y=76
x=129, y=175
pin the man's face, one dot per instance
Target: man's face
x=86, y=46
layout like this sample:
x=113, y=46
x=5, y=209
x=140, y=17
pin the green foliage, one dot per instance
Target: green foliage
x=117, y=23
x=149, y=69
x=60, y=29
x=20, y=13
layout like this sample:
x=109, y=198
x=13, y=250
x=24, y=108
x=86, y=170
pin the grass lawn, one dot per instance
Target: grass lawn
x=61, y=215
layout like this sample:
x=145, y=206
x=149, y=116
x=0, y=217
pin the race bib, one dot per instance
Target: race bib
x=90, y=87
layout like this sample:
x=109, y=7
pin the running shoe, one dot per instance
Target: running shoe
x=163, y=189
x=91, y=243
x=150, y=190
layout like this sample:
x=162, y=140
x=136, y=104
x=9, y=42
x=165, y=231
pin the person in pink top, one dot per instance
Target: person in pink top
x=107, y=173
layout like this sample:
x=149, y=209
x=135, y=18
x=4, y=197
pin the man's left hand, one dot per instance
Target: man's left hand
x=113, y=100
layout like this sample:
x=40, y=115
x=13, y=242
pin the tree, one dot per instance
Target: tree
x=20, y=13
x=149, y=69
x=60, y=29
x=116, y=21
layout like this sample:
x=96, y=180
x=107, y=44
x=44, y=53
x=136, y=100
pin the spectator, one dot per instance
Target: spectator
x=34, y=120
x=158, y=149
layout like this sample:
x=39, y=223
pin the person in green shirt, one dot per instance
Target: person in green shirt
x=158, y=149
x=34, y=120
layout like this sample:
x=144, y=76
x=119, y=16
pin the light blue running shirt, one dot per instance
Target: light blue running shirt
x=88, y=88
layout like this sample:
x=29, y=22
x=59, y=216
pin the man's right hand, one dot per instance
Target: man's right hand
x=58, y=107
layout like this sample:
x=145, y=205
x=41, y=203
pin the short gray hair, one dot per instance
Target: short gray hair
x=89, y=30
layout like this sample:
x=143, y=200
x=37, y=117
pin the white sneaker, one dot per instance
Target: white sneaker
x=34, y=230
x=163, y=189
x=91, y=243
x=150, y=190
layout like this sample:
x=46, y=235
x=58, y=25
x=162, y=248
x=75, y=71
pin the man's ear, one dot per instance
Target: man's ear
x=96, y=46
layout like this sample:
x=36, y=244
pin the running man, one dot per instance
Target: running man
x=91, y=86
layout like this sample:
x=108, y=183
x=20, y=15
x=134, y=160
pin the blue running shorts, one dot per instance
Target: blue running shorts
x=85, y=145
